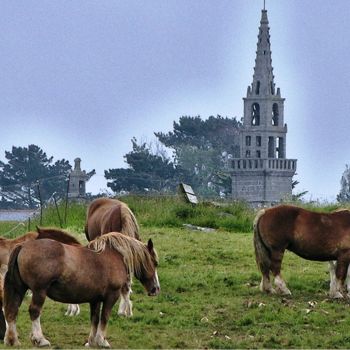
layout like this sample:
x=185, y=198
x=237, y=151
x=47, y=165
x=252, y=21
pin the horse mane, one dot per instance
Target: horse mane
x=130, y=226
x=135, y=253
x=57, y=235
x=341, y=210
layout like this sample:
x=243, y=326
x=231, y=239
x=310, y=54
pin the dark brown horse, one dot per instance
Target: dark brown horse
x=6, y=247
x=97, y=274
x=110, y=215
x=311, y=235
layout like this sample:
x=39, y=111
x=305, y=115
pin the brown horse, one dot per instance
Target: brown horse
x=96, y=274
x=311, y=235
x=110, y=215
x=7, y=245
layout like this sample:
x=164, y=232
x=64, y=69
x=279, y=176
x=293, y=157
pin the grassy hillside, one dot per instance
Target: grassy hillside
x=209, y=296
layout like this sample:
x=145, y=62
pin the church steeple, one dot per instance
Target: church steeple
x=263, y=78
x=262, y=173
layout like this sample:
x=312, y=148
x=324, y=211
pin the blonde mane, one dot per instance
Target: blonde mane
x=130, y=226
x=135, y=253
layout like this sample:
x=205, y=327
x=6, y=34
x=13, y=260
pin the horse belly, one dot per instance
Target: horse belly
x=313, y=252
x=73, y=293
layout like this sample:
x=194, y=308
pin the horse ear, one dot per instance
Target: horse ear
x=150, y=245
x=37, y=229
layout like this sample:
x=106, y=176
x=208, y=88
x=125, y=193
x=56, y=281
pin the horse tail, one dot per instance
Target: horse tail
x=86, y=230
x=2, y=318
x=262, y=254
x=14, y=287
x=130, y=226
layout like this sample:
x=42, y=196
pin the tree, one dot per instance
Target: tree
x=201, y=147
x=29, y=174
x=344, y=194
x=146, y=171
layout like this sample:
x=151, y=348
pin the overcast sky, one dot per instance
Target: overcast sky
x=80, y=78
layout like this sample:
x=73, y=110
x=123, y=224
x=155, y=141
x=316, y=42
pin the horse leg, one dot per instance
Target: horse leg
x=106, y=312
x=35, y=307
x=125, y=306
x=340, y=274
x=73, y=310
x=95, y=319
x=347, y=282
x=13, y=298
x=276, y=261
x=333, y=293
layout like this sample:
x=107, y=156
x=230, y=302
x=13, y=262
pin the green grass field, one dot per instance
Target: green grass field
x=209, y=290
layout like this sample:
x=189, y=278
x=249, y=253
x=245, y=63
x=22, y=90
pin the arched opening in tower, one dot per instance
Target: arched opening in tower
x=255, y=114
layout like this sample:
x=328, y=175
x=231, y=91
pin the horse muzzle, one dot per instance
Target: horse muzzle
x=154, y=291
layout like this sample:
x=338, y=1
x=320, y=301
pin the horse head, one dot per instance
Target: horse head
x=148, y=273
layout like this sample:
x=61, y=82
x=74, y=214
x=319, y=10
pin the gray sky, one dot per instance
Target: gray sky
x=81, y=78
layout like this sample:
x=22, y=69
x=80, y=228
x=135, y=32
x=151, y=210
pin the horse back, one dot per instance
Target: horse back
x=103, y=216
x=310, y=234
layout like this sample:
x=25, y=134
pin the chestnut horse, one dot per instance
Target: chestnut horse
x=311, y=235
x=96, y=274
x=106, y=215
x=7, y=245
x=110, y=215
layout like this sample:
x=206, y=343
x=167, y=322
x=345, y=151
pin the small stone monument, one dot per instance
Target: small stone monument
x=77, y=180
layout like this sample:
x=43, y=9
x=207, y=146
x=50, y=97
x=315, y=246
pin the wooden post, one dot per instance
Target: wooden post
x=58, y=212
x=66, y=206
x=41, y=203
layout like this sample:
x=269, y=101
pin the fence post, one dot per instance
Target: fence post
x=66, y=206
x=58, y=212
x=41, y=203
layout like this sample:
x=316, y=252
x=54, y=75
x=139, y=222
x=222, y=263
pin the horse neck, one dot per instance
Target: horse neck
x=6, y=245
x=27, y=237
x=57, y=235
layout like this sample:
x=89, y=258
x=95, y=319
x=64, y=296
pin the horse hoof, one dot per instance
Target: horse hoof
x=12, y=342
x=336, y=295
x=104, y=344
x=284, y=292
x=125, y=314
x=41, y=342
x=268, y=291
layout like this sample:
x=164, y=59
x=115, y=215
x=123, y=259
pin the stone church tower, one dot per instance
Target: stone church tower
x=262, y=174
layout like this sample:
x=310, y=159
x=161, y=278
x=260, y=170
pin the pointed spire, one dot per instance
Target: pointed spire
x=263, y=78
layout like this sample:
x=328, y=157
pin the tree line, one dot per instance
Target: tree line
x=195, y=152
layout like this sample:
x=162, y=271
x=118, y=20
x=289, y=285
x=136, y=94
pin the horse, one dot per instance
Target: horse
x=96, y=274
x=310, y=235
x=7, y=245
x=108, y=215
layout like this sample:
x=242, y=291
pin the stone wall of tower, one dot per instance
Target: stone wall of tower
x=262, y=187
x=262, y=180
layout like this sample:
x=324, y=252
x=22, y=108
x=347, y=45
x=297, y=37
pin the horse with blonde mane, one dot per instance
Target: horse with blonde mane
x=96, y=274
x=110, y=215
x=311, y=235
x=106, y=215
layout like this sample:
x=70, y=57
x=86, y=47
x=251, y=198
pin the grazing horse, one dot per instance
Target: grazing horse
x=106, y=215
x=97, y=274
x=110, y=215
x=311, y=235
